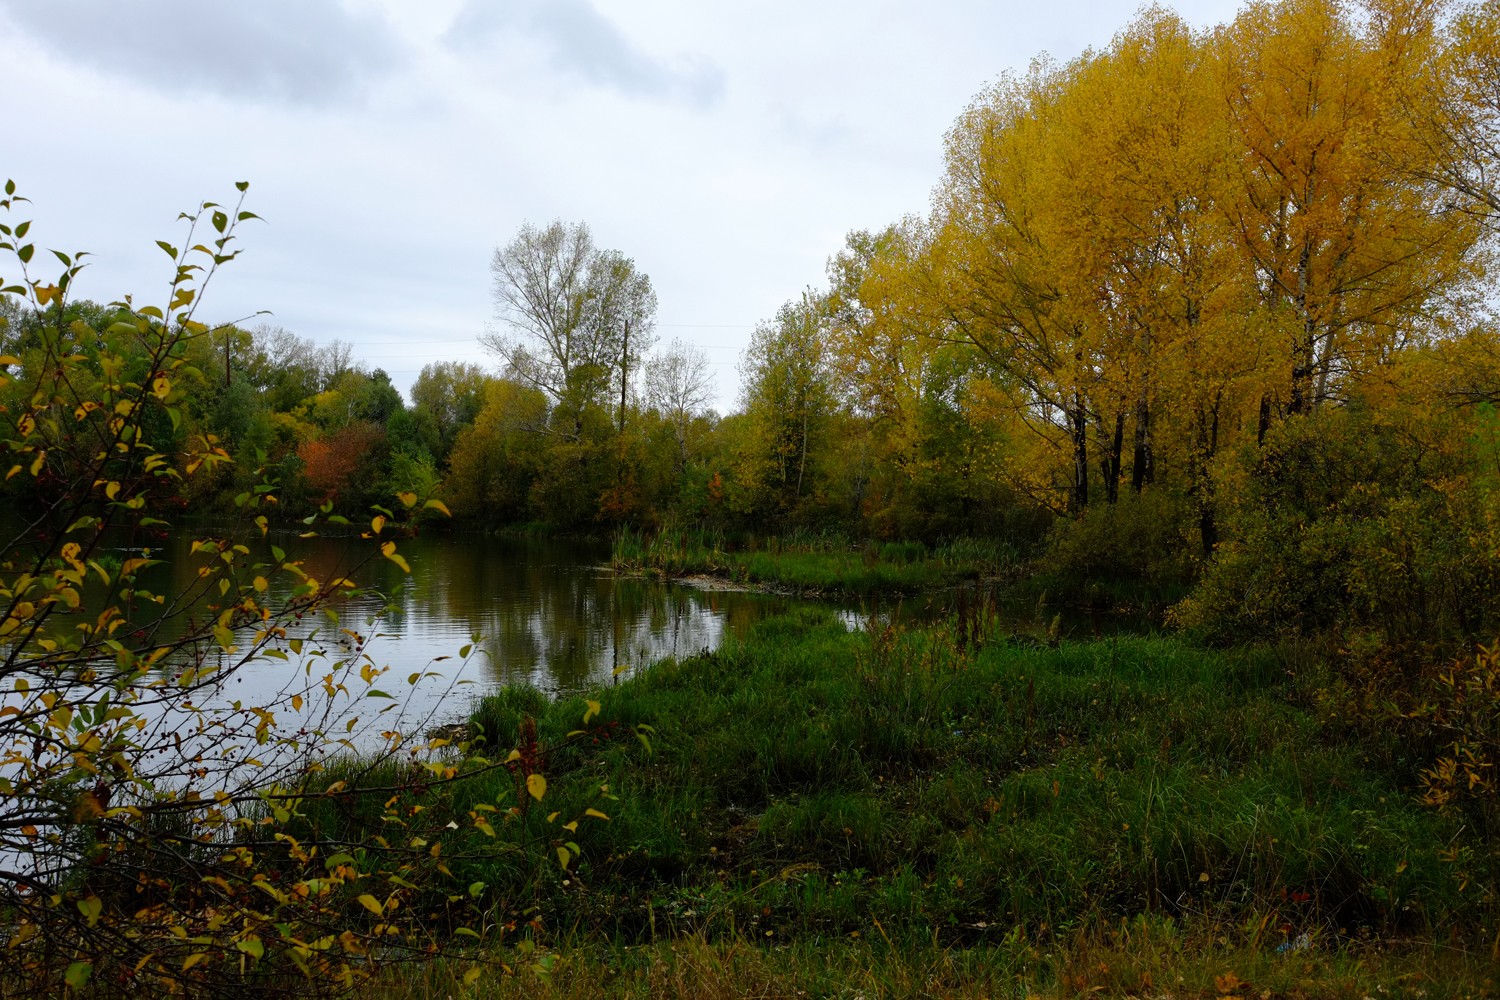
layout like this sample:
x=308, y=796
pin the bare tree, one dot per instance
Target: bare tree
x=578, y=318
x=679, y=384
x=335, y=360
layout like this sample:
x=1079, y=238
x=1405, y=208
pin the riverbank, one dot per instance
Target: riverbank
x=815, y=565
x=945, y=802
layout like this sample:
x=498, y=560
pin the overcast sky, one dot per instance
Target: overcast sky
x=392, y=145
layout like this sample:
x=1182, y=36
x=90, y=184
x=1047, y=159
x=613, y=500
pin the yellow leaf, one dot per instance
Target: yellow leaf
x=593, y=710
x=261, y=583
x=192, y=960
x=407, y=498
x=372, y=904
x=162, y=387
x=389, y=551
x=563, y=857
x=377, y=523
x=472, y=976
x=595, y=813
x=536, y=786
x=438, y=505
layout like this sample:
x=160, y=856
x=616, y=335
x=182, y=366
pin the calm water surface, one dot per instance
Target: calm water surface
x=540, y=612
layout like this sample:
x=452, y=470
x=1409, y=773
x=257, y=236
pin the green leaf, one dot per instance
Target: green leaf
x=241, y=185
x=167, y=248
x=25, y=253
x=91, y=908
x=78, y=974
x=251, y=947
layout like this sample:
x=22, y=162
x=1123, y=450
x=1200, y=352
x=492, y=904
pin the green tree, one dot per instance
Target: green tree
x=789, y=402
x=446, y=398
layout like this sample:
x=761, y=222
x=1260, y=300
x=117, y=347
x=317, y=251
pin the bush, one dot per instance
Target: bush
x=157, y=835
x=1135, y=548
x=1345, y=521
x=1464, y=714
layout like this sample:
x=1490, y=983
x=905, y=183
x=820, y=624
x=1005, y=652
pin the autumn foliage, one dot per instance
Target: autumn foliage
x=333, y=463
x=161, y=833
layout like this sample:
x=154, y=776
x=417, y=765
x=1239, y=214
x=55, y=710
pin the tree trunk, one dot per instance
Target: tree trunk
x=1079, y=429
x=1109, y=465
x=1205, y=446
x=802, y=459
x=1142, y=463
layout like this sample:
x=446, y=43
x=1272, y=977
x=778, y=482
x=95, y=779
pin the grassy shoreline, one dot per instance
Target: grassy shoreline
x=815, y=564
x=956, y=796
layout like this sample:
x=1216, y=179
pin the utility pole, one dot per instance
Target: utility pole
x=624, y=374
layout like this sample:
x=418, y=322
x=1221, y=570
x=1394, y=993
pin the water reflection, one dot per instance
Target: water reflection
x=549, y=616
x=546, y=613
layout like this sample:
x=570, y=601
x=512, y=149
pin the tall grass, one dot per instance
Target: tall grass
x=811, y=784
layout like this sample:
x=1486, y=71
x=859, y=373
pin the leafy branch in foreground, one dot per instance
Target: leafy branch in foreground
x=157, y=832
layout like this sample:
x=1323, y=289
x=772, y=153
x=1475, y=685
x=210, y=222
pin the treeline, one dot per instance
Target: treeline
x=324, y=425
x=1204, y=308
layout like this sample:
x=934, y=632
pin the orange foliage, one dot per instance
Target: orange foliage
x=331, y=463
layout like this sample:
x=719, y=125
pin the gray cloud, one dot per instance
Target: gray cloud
x=584, y=43
x=281, y=51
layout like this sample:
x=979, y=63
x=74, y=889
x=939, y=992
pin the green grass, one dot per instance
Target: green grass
x=806, y=780
x=819, y=564
x=811, y=787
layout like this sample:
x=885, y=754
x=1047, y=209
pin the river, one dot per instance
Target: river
x=549, y=613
